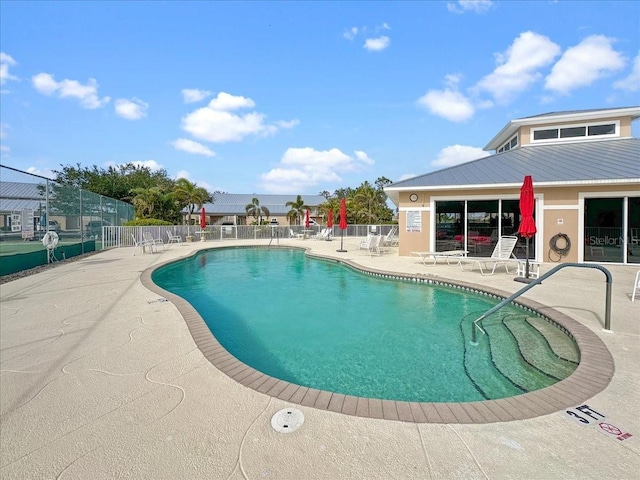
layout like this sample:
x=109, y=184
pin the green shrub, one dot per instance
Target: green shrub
x=146, y=222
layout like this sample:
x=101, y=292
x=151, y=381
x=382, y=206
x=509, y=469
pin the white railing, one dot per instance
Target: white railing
x=113, y=236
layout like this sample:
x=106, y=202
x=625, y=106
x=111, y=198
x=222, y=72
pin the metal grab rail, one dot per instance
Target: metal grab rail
x=607, y=315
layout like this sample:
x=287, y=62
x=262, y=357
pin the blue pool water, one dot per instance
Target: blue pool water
x=323, y=325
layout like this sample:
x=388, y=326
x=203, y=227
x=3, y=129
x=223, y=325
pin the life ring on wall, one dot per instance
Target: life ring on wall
x=556, y=242
x=50, y=240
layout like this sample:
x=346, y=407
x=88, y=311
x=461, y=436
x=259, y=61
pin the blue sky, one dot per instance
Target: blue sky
x=298, y=97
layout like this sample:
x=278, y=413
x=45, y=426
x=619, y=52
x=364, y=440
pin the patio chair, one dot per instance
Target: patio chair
x=293, y=234
x=373, y=245
x=502, y=255
x=143, y=245
x=364, y=244
x=636, y=286
x=322, y=235
x=449, y=255
x=173, y=238
x=391, y=238
x=153, y=241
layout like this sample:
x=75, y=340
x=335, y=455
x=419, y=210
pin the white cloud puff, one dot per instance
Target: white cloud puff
x=449, y=104
x=519, y=66
x=150, y=164
x=190, y=146
x=631, y=82
x=6, y=62
x=86, y=94
x=186, y=175
x=377, y=44
x=134, y=109
x=217, y=123
x=304, y=168
x=351, y=33
x=457, y=154
x=192, y=95
x=476, y=6
x=579, y=66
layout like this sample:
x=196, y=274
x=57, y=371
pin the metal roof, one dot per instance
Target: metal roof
x=21, y=190
x=12, y=205
x=235, y=203
x=606, y=161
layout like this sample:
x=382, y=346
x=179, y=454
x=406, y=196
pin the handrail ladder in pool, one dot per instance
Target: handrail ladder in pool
x=607, y=318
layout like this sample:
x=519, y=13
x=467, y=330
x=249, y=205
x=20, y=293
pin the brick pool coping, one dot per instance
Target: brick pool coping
x=593, y=374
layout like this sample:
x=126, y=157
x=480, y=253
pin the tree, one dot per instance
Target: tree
x=365, y=201
x=189, y=195
x=297, y=209
x=256, y=210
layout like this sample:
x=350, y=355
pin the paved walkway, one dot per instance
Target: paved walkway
x=99, y=378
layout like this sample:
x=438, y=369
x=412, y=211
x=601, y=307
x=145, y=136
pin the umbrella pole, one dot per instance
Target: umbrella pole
x=526, y=270
x=341, y=242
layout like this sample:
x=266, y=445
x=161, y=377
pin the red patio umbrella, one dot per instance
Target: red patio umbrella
x=203, y=219
x=343, y=222
x=306, y=219
x=527, y=228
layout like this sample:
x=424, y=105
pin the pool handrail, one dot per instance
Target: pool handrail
x=537, y=281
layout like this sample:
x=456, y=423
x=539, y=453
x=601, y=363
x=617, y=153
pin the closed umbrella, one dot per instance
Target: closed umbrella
x=306, y=219
x=343, y=222
x=527, y=227
x=203, y=223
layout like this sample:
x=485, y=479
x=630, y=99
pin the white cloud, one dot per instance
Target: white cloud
x=457, y=154
x=351, y=33
x=590, y=60
x=406, y=176
x=304, y=168
x=192, y=95
x=4, y=149
x=6, y=61
x=131, y=109
x=190, y=146
x=476, y=6
x=631, y=82
x=42, y=172
x=519, y=66
x=377, y=44
x=86, y=94
x=448, y=104
x=215, y=122
x=150, y=164
x=187, y=175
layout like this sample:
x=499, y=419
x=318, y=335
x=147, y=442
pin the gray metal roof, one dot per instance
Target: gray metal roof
x=21, y=190
x=235, y=203
x=11, y=205
x=563, y=164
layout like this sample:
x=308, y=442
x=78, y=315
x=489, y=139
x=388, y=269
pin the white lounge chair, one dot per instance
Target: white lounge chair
x=173, y=238
x=373, y=245
x=502, y=255
x=364, y=244
x=449, y=255
x=322, y=235
x=153, y=241
x=293, y=234
x=143, y=245
x=391, y=238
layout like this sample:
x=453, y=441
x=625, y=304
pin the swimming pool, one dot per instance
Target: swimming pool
x=322, y=325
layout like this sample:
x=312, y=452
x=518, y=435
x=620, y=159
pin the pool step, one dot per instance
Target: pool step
x=536, y=349
x=480, y=369
x=561, y=345
x=508, y=358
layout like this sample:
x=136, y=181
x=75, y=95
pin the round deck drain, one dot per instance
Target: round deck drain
x=287, y=420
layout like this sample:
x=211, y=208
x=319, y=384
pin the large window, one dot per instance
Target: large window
x=609, y=234
x=476, y=225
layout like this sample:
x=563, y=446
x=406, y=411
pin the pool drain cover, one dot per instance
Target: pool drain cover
x=287, y=420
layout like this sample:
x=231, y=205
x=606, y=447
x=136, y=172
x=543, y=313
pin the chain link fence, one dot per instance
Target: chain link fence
x=31, y=206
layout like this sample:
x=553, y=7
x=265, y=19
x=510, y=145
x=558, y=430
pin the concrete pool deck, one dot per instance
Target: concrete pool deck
x=101, y=378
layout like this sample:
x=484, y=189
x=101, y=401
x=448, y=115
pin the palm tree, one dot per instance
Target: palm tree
x=146, y=201
x=189, y=195
x=297, y=209
x=366, y=200
x=256, y=210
